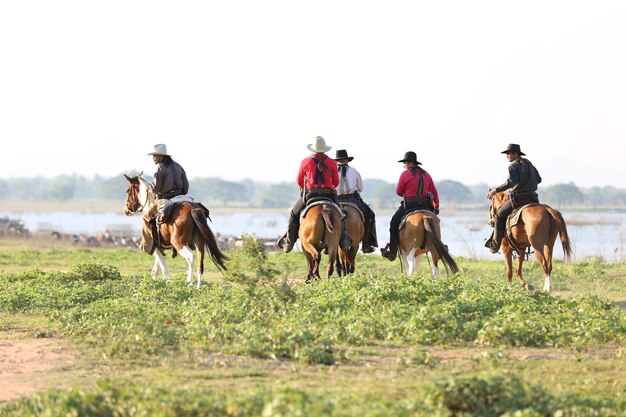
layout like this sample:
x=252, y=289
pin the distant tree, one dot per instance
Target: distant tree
x=4, y=190
x=479, y=192
x=111, y=189
x=380, y=194
x=453, y=192
x=279, y=195
x=61, y=188
x=563, y=194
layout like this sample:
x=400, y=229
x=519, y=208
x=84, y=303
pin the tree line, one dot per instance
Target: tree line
x=215, y=191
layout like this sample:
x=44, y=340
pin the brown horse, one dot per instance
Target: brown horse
x=537, y=227
x=320, y=230
x=420, y=234
x=355, y=227
x=186, y=229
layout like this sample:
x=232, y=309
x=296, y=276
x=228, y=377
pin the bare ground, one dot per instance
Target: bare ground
x=24, y=361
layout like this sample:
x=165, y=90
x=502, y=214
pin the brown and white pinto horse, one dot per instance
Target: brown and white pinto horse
x=537, y=227
x=186, y=229
x=355, y=227
x=320, y=230
x=420, y=234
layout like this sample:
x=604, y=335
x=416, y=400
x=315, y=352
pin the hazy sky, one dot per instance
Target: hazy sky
x=237, y=89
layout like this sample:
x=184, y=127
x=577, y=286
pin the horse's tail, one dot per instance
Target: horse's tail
x=327, y=215
x=217, y=256
x=558, y=218
x=440, y=248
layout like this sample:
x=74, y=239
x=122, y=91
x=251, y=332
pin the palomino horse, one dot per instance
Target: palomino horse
x=421, y=233
x=186, y=229
x=320, y=230
x=355, y=227
x=537, y=227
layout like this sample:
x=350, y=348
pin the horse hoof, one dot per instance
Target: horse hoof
x=529, y=287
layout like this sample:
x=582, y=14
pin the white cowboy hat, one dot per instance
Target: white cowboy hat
x=319, y=146
x=160, y=149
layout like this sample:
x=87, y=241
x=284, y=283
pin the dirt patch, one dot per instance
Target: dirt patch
x=21, y=361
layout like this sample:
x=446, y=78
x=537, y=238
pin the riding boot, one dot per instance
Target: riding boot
x=345, y=240
x=493, y=243
x=369, y=240
x=391, y=250
x=287, y=241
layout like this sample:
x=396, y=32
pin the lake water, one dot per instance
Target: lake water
x=592, y=234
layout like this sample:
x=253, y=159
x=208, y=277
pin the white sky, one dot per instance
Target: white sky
x=237, y=89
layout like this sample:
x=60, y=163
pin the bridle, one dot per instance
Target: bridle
x=132, y=197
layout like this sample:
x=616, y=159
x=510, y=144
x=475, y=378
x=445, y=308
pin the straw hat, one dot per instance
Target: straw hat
x=319, y=146
x=160, y=149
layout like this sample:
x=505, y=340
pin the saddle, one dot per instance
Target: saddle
x=168, y=209
x=320, y=201
x=406, y=216
x=513, y=219
x=342, y=204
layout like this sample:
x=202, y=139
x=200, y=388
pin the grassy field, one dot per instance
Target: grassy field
x=258, y=341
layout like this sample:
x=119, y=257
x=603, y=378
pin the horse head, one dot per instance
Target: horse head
x=495, y=203
x=137, y=194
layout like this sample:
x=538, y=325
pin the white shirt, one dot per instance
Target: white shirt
x=349, y=183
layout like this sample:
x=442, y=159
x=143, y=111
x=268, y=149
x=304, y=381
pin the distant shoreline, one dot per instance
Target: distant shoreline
x=108, y=206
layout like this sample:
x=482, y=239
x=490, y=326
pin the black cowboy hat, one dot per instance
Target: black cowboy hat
x=410, y=157
x=343, y=154
x=513, y=147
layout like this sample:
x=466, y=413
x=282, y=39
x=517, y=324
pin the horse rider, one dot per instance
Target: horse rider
x=317, y=178
x=522, y=185
x=418, y=192
x=169, y=181
x=350, y=185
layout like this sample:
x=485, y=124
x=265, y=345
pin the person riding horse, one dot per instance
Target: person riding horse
x=317, y=178
x=350, y=185
x=169, y=181
x=522, y=185
x=418, y=191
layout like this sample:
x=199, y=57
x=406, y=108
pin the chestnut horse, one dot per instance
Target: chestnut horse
x=537, y=227
x=186, y=229
x=320, y=230
x=420, y=233
x=355, y=227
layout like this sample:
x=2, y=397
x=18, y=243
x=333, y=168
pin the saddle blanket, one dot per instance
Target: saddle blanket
x=515, y=215
x=406, y=216
x=317, y=203
x=356, y=206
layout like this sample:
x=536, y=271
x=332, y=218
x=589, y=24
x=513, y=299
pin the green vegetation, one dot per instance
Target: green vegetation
x=217, y=192
x=258, y=341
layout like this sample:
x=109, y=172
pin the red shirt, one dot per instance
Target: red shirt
x=407, y=186
x=327, y=178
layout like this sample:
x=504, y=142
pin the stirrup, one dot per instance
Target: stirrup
x=386, y=253
x=367, y=249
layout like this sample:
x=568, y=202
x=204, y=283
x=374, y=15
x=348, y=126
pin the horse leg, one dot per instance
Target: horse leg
x=339, y=266
x=200, y=266
x=508, y=259
x=545, y=260
x=332, y=258
x=518, y=272
x=352, y=266
x=159, y=261
x=310, y=264
x=435, y=267
x=190, y=257
x=406, y=264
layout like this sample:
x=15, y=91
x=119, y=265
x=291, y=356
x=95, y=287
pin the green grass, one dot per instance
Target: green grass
x=258, y=341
